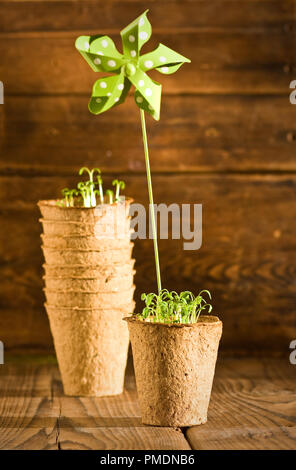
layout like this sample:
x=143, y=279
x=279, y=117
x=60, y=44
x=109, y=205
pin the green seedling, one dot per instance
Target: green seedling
x=65, y=193
x=61, y=203
x=91, y=180
x=101, y=193
x=170, y=307
x=72, y=193
x=119, y=185
x=110, y=193
x=69, y=195
x=84, y=190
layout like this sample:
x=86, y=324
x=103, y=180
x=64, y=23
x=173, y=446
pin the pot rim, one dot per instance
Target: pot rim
x=56, y=222
x=53, y=203
x=67, y=291
x=108, y=250
x=83, y=266
x=61, y=278
x=84, y=309
x=45, y=236
x=212, y=320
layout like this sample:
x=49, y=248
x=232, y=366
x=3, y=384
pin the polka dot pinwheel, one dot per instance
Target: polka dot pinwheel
x=130, y=67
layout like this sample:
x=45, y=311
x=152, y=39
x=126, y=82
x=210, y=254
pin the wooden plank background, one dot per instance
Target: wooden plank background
x=226, y=139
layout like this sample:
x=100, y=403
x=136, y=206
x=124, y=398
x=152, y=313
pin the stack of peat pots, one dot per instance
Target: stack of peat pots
x=89, y=289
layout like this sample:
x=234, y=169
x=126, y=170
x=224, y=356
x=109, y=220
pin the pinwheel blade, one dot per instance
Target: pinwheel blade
x=100, y=53
x=135, y=35
x=163, y=59
x=126, y=88
x=150, y=103
x=108, y=92
x=148, y=93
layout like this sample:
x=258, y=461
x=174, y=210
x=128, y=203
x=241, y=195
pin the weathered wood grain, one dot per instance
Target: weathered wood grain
x=122, y=439
x=51, y=135
x=247, y=257
x=28, y=411
x=110, y=15
x=256, y=402
x=253, y=406
x=36, y=415
x=231, y=62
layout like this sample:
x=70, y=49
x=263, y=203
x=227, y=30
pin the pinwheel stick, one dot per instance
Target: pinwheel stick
x=130, y=68
x=151, y=204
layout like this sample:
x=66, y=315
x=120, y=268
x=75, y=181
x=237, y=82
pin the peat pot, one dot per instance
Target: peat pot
x=89, y=288
x=91, y=347
x=174, y=368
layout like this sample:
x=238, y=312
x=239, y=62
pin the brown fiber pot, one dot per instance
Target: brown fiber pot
x=84, y=299
x=82, y=271
x=91, y=347
x=174, y=368
x=102, y=213
x=61, y=228
x=87, y=257
x=89, y=288
x=104, y=284
x=85, y=243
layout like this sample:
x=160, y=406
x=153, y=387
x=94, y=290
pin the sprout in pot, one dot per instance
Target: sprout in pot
x=90, y=184
x=119, y=185
x=89, y=284
x=110, y=194
x=87, y=191
x=100, y=191
x=175, y=350
x=169, y=307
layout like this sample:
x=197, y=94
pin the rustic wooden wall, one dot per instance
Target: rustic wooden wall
x=226, y=139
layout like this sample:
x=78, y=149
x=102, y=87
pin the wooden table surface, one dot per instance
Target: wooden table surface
x=253, y=406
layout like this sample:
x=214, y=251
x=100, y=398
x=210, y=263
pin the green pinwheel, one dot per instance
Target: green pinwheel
x=130, y=67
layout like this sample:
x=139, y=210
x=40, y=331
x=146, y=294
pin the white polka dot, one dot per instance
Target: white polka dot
x=98, y=100
x=148, y=64
x=111, y=63
x=133, y=53
x=116, y=99
x=143, y=35
x=131, y=38
x=86, y=45
x=139, y=99
x=162, y=59
x=141, y=22
x=100, y=53
x=148, y=92
x=97, y=61
x=109, y=94
x=104, y=43
x=103, y=85
x=120, y=86
x=164, y=69
x=141, y=82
